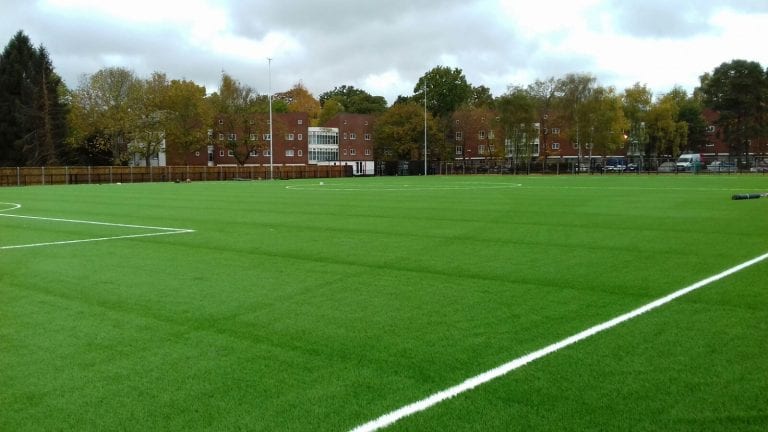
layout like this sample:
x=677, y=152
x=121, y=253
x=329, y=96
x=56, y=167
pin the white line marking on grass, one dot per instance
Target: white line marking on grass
x=398, y=414
x=163, y=230
x=405, y=187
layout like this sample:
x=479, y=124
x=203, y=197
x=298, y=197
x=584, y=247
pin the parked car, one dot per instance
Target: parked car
x=689, y=162
x=667, y=167
x=760, y=166
x=616, y=168
x=721, y=166
x=632, y=167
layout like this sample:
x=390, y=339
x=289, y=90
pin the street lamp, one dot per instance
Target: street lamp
x=271, y=164
x=425, y=126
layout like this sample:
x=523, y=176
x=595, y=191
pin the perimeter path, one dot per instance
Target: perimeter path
x=400, y=413
x=155, y=231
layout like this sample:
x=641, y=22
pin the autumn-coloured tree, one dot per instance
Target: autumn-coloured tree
x=299, y=99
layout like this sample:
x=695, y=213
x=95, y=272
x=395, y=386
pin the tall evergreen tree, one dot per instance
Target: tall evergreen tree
x=32, y=113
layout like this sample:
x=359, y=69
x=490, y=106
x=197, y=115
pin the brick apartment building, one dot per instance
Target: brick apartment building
x=475, y=139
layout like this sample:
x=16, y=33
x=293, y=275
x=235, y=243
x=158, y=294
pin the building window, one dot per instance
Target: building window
x=252, y=137
x=197, y=153
x=352, y=135
x=345, y=122
x=232, y=137
x=251, y=121
x=345, y=134
x=299, y=137
x=481, y=149
x=367, y=152
x=555, y=146
x=300, y=153
x=221, y=121
x=575, y=146
x=266, y=137
x=252, y=153
x=289, y=137
x=230, y=153
x=221, y=137
x=459, y=136
x=345, y=152
x=366, y=122
x=459, y=150
x=301, y=121
x=482, y=135
x=221, y=153
x=288, y=153
x=367, y=137
x=266, y=152
x=711, y=129
x=353, y=152
x=555, y=131
x=491, y=135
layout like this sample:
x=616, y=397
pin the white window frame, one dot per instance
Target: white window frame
x=289, y=152
x=459, y=136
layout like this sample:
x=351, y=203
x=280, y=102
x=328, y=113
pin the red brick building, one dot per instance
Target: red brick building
x=355, y=141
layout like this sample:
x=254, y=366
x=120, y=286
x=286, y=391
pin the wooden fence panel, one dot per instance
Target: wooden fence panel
x=31, y=176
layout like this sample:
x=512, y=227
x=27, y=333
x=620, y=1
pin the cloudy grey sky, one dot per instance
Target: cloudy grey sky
x=384, y=46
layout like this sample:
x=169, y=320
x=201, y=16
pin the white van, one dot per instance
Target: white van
x=688, y=162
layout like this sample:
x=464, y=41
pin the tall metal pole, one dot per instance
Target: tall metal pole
x=425, y=126
x=271, y=164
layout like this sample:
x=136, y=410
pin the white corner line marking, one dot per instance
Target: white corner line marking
x=398, y=414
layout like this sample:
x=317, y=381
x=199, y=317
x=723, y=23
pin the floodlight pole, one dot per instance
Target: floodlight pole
x=425, y=126
x=271, y=164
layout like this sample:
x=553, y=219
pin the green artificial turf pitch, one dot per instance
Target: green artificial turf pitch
x=323, y=304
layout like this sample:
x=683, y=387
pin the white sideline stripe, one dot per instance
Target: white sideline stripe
x=390, y=418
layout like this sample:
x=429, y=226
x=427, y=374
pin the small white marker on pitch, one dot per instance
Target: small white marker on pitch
x=321, y=183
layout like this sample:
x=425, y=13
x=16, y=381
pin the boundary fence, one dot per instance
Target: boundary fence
x=30, y=176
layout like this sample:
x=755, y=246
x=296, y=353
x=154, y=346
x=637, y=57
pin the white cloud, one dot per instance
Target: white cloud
x=384, y=47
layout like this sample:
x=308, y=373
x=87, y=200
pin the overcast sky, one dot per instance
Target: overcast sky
x=384, y=46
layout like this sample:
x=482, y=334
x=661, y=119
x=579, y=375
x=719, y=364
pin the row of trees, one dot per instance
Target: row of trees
x=113, y=115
